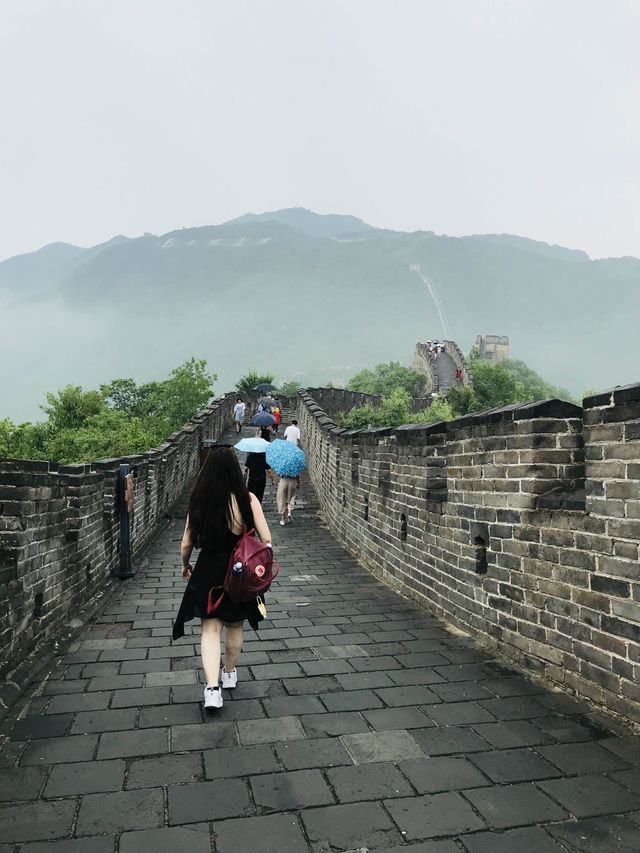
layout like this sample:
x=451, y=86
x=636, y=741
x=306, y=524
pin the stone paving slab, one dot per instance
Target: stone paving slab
x=358, y=724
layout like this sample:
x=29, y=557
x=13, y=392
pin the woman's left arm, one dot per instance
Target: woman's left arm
x=186, y=547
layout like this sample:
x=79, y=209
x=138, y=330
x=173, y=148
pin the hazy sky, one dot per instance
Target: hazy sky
x=458, y=116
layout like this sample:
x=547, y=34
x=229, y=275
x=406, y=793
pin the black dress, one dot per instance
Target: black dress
x=257, y=466
x=209, y=571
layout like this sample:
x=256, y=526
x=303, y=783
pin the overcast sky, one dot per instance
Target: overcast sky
x=457, y=116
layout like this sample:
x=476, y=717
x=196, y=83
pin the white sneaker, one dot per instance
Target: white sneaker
x=229, y=679
x=212, y=697
x=282, y=522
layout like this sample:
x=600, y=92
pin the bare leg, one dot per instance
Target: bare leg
x=232, y=646
x=210, y=650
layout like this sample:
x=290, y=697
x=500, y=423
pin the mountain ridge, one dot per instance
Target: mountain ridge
x=259, y=292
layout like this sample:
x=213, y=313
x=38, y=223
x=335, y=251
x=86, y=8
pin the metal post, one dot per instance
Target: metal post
x=124, y=507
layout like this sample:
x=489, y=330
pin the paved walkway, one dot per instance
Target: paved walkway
x=358, y=723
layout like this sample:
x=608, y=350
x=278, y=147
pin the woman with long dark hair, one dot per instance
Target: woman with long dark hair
x=221, y=509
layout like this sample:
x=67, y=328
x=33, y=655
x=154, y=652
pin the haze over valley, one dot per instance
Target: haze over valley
x=313, y=298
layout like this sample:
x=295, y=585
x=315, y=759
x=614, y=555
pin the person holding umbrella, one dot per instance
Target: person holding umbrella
x=264, y=421
x=289, y=462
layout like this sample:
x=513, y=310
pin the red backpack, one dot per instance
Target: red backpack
x=250, y=573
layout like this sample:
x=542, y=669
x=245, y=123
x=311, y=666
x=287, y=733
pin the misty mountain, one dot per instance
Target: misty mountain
x=313, y=298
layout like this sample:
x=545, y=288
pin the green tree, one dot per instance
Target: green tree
x=70, y=407
x=120, y=419
x=248, y=382
x=289, y=389
x=494, y=386
x=385, y=378
x=393, y=411
x=187, y=390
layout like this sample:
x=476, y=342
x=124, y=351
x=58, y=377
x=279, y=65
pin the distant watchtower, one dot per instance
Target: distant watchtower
x=493, y=348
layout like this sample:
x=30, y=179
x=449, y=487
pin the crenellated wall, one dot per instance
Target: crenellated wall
x=427, y=507
x=59, y=527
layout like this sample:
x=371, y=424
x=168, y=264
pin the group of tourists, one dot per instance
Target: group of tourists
x=434, y=348
x=225, y=505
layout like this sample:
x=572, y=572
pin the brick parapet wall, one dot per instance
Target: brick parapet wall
x=460, y=361
x=59, y=527
x=561, y=595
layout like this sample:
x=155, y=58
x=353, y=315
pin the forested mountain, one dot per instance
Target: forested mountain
x=314, y=298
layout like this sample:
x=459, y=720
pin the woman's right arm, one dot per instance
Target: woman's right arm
x=259, y=521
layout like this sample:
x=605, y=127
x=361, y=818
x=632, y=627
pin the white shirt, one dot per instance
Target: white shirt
x=292, y=434
x=238, y=410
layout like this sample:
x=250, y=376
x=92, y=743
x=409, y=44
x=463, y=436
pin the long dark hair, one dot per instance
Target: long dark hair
x=210, y=512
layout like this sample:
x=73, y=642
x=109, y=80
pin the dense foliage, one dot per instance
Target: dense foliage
x=119, y=419
x=385, y=378
x=248, y=382
x=289, y=389
x=495, y=385
x=394, y=410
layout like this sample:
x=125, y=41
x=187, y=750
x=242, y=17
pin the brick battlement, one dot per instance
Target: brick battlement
x=59, y=528
x=543, y=497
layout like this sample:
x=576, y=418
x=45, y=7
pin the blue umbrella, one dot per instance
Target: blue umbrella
x=263, y=419
x=252, y=445
x=285, y=458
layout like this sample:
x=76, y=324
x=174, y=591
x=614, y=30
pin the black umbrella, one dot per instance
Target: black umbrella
x=263, y=419
x=265, y=387
x=267, y=401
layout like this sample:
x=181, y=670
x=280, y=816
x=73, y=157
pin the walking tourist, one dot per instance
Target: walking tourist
x=285, y=497
x=238, y=414
x=278, y=417
x=256, y=469
x=221, y=509
x=292, y=433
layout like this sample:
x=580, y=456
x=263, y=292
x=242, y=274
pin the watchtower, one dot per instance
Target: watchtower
x=493, y=348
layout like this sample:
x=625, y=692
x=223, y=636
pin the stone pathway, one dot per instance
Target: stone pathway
x=358, y=723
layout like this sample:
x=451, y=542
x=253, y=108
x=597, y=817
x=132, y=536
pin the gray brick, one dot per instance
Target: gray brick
x=174, y=769
x=124, y=810
x=21, y=783
x=285, y=791
x=530, y=838
x=78, y=702
x=368, y=782
x=588, y=796
x=88, y=777
x=430, y=816
x=433, y=775
x=239, y=761
x=574, y=758
x=145, y=696
x=260, y=835
x=87, y=722
x=319, y=725
x=59, y=750
x=352, y=700
x=350, y=826
x=208, y=801
x=132, y=743
x=505, y=806
x=270, y=731
x=168, y=840
x=318, y=752
x=198, y=737
x=381, y=746
x=36, y=821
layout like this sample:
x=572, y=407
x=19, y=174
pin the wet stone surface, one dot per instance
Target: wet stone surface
x=358, y=723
